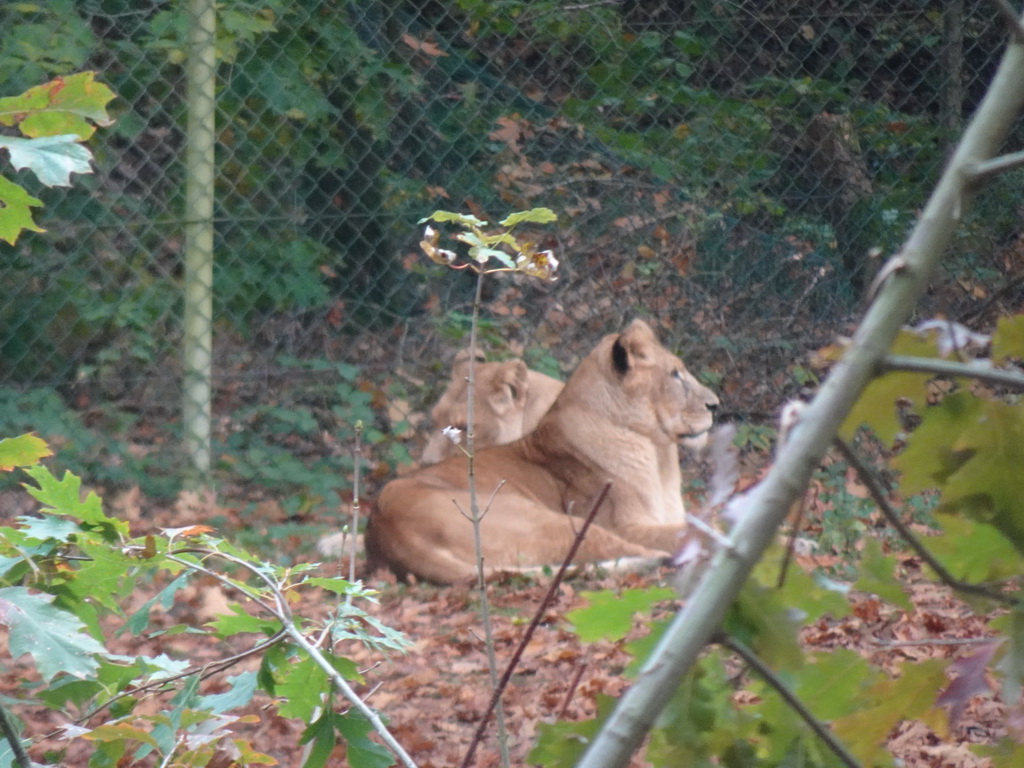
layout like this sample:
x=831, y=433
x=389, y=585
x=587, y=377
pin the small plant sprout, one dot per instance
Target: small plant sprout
x=492, y=248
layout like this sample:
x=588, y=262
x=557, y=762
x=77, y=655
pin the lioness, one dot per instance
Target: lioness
x=509, y=400
x=619, y=418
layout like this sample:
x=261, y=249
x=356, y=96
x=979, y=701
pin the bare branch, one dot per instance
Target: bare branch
x=765, y=672
x=14, y=739
x=880, y=497
x=987, y=169
x=981, y=371
x=538, y=616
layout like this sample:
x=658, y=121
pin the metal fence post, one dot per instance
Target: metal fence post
x=197, y=350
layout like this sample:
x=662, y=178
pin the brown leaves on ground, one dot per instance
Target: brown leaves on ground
x=434, y=695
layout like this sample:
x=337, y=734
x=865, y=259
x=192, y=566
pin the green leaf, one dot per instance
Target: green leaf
x=139, y=620
x=813, y=594
x=361, y=752
x=972, y=450
x=908, y=697
x=64, y=105
x=562, y=744
x=51, y=158
x=302, y=685
x=22, y=451
x=934, y=450
x=63, y=497
x=466, y=220
x=47, y=528
x=16, y=211
x=975, y=551
x=1011, y=665
x=338, y=586
x=609, y=615
x=321, y=733
x=834, y=683
x=876, y=406
x=483, y=254
x=54, y=638
x=762, y=620
x=242, y=688
x=1008, y=339
x=878, y=576
x=532, y=216
x=241, y=621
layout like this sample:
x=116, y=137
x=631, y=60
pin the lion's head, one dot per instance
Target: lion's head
x=646, y=388
x=509, y=400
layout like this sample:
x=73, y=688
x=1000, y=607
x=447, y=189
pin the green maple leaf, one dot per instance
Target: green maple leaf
x=16, y=211
x=361, y=752
x=64, y=105
x=23, y=451
x=972, y=450
x=301, y=684
x=51, y=158
x=1008, y=339
x=54, y=638
x=911, y=696
x=876, y=407
x=877, y=576
x=609, y=615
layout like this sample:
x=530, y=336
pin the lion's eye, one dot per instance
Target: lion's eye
x=677, y=375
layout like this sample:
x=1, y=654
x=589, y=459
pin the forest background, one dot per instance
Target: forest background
x=734, y=172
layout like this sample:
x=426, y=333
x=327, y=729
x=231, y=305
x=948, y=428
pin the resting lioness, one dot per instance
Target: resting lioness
x=509, y=401
x=619, y=418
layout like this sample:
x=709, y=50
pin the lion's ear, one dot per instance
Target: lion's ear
x=515, y=377
x=637, y=342
x=620, y=357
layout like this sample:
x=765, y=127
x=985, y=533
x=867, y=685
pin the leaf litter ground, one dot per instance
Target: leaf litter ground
x=434, y=695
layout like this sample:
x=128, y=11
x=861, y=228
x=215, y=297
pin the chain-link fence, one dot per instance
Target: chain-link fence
x=733, y=170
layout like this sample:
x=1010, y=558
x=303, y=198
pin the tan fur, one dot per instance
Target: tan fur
x=509, y=401
x=620, y=418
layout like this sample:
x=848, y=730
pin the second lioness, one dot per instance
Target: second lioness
x=620, y=418
x=509, y=401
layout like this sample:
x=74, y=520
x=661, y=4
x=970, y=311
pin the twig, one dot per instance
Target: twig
x=880, y=497
x=477, y=517
x=1006, y=12
x=538, y=616
x=283, y=614
x=946, y=641
x=984, y=170
x=822, y=732
x=206, y=671
x=953, y=369
x=787, y=558
x=571, y=693
x=357, y=455
x=11, y=734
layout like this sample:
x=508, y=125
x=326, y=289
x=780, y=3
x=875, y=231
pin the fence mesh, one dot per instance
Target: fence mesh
x=734, y=171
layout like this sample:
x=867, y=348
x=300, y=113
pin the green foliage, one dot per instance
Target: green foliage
x=877, y=405
x=86, y=449
x=610, y=615
x=53, y=118
x=703, y=724
x=64, y=579
x=485, y=244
